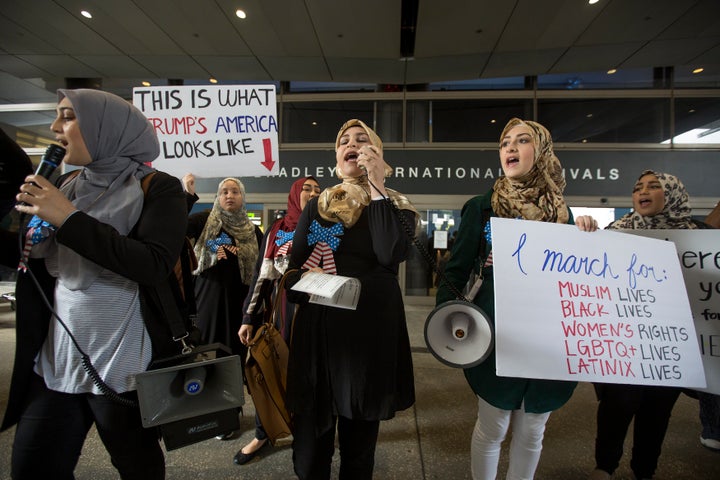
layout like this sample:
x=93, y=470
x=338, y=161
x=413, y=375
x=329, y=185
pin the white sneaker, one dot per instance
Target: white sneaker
x=710, y=443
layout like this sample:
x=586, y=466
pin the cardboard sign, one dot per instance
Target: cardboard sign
x=596, y=306
x=699, y=254
x=213, y=131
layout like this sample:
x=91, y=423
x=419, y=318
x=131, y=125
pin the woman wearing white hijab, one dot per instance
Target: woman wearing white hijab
x=98, y=247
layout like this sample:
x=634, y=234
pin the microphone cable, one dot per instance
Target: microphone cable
x=410, y=232
x=86, y=362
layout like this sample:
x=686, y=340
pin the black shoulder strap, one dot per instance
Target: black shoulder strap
x=169, y=291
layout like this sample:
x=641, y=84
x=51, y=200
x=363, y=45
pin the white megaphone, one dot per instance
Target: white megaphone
x=459, y=334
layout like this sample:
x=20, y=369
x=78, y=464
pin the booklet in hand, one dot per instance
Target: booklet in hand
x=333, y=290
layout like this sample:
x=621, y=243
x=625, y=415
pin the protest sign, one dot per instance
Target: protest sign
x=595, y=306
x=213, y=131
x=699, y=254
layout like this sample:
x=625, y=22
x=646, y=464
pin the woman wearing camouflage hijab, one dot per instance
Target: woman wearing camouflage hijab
x=659, y=201
x=531, y=189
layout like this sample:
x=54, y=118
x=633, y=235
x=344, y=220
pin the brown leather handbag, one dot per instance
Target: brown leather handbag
x=266, y=372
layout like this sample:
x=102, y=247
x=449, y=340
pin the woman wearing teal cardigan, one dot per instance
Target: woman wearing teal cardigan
x=531, y=189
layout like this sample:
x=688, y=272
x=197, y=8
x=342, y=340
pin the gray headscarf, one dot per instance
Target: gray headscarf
x=120, y=140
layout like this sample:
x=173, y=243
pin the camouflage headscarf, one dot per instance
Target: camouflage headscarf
x=676, y=212
x=537, y=195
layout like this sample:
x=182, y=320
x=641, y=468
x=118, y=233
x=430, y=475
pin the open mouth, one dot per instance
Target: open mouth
x=351, y=157
x=510, y=161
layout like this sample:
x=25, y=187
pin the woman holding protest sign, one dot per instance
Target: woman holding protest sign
x=531, y=189
x=659, y=201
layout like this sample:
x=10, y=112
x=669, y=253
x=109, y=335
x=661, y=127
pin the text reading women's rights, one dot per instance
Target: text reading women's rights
x=597, y=306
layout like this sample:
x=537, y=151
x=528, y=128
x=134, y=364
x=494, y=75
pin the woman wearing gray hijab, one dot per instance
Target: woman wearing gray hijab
x=99, y=248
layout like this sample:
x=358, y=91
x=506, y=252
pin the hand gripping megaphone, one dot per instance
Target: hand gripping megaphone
x=459, y=334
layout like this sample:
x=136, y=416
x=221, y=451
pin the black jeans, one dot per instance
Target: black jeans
x=51, y=432
x=312, y=455
x=651, y=407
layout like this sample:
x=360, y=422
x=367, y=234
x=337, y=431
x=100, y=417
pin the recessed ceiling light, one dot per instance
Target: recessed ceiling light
x=698, y=70
x=589, y=115
x=85, y=14
x=146, y=83
x=493, y=121
x=314, y=124
x=240, y=13
x=611, y=71
x=593, y=2
x=213, y=80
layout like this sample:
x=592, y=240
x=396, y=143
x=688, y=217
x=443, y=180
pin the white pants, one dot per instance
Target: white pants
x=490, y=430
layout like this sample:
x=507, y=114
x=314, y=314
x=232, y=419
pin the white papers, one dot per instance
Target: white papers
x=333, y=290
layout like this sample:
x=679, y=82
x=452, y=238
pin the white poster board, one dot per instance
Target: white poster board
x=699, y=254
x=595, y=306
x=440, y=239
x=213, y=131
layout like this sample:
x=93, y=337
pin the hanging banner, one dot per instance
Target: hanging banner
x=599, y=306
x=213, y=131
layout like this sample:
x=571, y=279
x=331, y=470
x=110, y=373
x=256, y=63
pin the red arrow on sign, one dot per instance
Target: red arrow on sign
x=267, y=146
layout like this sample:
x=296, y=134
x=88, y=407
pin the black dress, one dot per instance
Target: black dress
x=353, y=363
x=220, y=292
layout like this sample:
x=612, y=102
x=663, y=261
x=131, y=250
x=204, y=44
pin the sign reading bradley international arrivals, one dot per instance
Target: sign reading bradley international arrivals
x=213, y=131
x=599, y=307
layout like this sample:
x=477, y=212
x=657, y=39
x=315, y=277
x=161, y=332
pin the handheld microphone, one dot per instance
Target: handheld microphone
x=50, y=160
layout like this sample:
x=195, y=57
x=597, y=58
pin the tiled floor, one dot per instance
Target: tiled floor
x=428, y=441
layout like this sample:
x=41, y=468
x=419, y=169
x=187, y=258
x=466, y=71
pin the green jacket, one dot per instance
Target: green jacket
x=507, y=393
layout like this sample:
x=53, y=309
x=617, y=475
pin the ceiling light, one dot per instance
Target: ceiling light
x=213, y=80
x=589, y=115
x=611, y=71
x=698, y=70
x=85, y=14
x=493, y=121
x=240, y=13
x=593, y=2
x=146, y=83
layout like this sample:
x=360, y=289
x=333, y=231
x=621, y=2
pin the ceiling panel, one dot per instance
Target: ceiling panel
x=370, y=29
x=462, y=27
x=367, y=70
x=228, y=66
x=670, y=52
x=535, y=62
x=586, y=58
x=331, y=40
x=443, y=69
